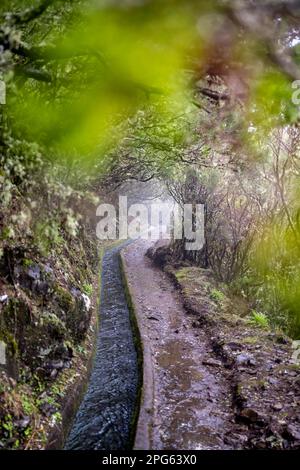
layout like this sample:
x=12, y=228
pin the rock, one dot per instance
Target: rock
x=8, y=360
x=41, y=372
x=47, y=409
x=54, y=373
x=160, y=255
x=23, y=423
x=282, y=339
x=87, y=302
x=250, y=415
x=259, y=444
x=12, y=382
x=236, y=438
x=245, y=360
x=33, y=278
x=48, y=269
x=34, y=272
x=243, y=438
x=297, y=382
x=2, y=353
x=75, y=292
x=212, y=362
x=61, y=351
x=293, y=432
x=41, y=287
x=251, y=371
x=272, y=380
x=277, y=406
x=3, y=298
x=56, y=365
x=78, y=317
x=234, y=346
x=242, y=359
x=293, y=373
x=45, y=352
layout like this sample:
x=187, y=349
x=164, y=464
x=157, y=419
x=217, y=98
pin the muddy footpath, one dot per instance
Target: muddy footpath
x=211, y=380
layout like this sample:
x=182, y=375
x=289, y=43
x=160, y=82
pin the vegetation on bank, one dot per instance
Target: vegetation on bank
x=256, y=361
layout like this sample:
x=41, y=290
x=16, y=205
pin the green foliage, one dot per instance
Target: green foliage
x=56, y=391
x=27, y=262
x=81, y=349
x=28, y=405
x=57, y=417
x=217, y=296
x=48, y=236
x=275, y=265
x=96, y=79
x=64, y=298
x=8, y=426
x=87, y=289
x=259, y=319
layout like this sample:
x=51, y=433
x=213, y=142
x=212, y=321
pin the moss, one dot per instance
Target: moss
x=250, y=340
x=248, y=387
x=80, y=275
x=262, y=384
x=55, y=324
x=282, y=368
x=16, y=310
x=182, y=274
x=217, y=296
x=10, y=342
x=63, y=297
x=27, y=262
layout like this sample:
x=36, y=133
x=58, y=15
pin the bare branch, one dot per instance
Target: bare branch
x=36, y=74
x=214, y=95
x=30, y=14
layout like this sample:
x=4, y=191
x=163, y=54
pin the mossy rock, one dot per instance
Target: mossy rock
x=64, y=299
x=81, y=275
x=16, y=311
x=11, y=365
x=15, y=320
x=56, y=328
x=11, y=343
x=182, y=274
x=78, y=319
x=250, y=340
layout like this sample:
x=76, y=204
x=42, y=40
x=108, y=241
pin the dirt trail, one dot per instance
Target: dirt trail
x=191, y=402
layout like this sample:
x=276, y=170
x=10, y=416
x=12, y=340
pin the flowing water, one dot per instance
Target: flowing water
x=105, y=418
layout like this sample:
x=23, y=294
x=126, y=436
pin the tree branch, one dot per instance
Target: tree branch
x=213, y=95
x=282, y=59
x=36, y=74
x=30, y=14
